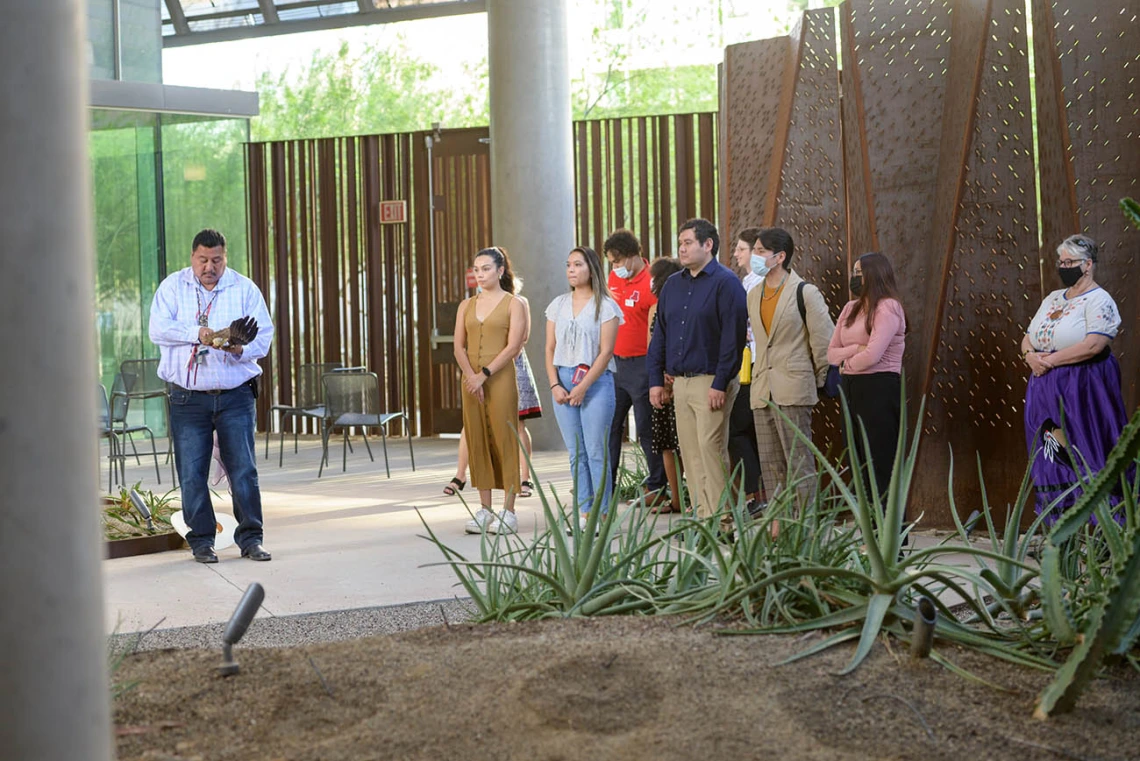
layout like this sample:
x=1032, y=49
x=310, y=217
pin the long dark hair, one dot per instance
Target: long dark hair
x=499, y=255
x=878, y=284
x=597, y=280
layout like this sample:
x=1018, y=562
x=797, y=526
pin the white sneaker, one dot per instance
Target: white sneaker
x=480, y=522
x=505, y=522
x=583, y=524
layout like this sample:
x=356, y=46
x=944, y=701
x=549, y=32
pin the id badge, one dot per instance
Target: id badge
x=200, y=356
x=579, y=374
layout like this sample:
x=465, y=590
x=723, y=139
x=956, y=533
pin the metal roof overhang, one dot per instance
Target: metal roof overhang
x=197, y=22
x=148, y=96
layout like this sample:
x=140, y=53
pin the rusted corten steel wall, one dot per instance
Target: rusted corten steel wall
x=344, y=288
x=923, y=147
x=339, y=284
x=648, y=174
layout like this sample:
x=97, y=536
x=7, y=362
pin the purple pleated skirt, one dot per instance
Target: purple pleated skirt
x=1073, y=418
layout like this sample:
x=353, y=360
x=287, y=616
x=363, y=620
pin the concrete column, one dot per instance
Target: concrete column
x=52, y=645
x=532, y=163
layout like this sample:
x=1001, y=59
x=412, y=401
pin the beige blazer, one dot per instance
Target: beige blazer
x=786, y=369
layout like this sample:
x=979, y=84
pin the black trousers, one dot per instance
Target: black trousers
x=742, y=448
x=631, y=389
x=873, y=400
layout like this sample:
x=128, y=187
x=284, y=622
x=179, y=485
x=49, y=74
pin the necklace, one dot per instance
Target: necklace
x=764, y=292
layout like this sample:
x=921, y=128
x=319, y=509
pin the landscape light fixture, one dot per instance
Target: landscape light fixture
x=247, y=607
x=143, y=510
x=925, y=617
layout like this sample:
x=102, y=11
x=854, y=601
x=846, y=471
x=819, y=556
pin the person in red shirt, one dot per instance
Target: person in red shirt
x=629, y=283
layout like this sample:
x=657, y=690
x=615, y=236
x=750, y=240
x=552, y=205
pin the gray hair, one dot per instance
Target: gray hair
x=1078, y=247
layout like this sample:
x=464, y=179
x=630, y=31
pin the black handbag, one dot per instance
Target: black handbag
x=830, y=386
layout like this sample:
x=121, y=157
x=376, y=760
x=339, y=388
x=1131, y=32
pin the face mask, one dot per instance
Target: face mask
x=1070, y=275
x=759, y=265
x=856, y=285
x=622, y=272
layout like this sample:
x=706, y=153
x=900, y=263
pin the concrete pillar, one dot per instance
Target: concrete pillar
x=52, y=645
x=532, y=163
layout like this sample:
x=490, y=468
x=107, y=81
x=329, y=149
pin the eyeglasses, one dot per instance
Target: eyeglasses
x=1066, y=263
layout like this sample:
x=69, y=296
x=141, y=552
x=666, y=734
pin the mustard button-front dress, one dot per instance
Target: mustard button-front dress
x=492, y=427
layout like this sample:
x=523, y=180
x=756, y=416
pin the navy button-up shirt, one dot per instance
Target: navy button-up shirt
x=702, y=326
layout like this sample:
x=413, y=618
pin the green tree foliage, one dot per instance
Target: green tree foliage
x=382, y=89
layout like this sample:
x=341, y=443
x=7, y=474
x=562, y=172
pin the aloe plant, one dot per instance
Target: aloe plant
x=1113, y=625
x=874, y=592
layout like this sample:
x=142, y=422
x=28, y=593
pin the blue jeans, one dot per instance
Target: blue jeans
x=585, y=430
x=194, y=416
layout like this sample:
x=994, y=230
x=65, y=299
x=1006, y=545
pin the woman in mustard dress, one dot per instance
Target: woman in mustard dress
x=489, y=332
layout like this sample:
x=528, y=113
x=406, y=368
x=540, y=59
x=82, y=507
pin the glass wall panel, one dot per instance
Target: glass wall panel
x=123, y=168
x=101, y=39
x=203, y=169
x=143, y=228
x=140, y=26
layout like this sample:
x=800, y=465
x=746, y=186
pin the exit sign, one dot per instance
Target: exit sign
x=392, y=212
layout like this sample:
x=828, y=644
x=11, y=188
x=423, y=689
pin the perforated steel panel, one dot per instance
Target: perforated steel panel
x=1097, y=43
x=935, y=168
x=976, y=376
x=752, y=87
x=901, y=50
x=811, y=198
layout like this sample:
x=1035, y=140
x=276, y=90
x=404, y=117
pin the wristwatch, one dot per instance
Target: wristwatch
x=487, y=372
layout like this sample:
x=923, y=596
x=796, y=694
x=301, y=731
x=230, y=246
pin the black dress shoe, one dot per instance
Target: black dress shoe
x=205, y=554
x=256, y=552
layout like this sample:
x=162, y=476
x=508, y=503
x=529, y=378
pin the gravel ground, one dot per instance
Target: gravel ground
x=304, y=629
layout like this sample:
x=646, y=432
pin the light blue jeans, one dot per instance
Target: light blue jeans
x=585, y=430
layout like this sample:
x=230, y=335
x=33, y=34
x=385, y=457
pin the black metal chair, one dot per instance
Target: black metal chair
x=148, y=385
x=120, y=408
x=309, y=404
x=108, y=433
x=352, y=400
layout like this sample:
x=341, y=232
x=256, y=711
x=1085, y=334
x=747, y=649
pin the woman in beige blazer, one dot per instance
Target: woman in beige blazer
x=790, y=363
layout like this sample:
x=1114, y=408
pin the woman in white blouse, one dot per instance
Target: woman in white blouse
x=1074, y=410
x=581, y=327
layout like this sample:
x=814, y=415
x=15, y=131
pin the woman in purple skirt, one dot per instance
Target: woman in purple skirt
x=1074, y=410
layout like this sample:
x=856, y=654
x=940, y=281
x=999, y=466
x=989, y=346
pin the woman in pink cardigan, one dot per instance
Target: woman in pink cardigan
x=868, y=347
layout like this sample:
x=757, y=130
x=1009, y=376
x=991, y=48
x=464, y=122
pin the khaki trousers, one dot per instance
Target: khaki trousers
x=703, y=437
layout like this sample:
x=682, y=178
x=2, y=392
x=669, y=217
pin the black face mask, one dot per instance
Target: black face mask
x=856, y=285
x=1070, y=275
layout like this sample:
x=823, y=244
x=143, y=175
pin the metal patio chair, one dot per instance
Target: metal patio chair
x=353, y=400
x=309, y=404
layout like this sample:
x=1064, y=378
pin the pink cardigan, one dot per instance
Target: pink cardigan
x=862, y=354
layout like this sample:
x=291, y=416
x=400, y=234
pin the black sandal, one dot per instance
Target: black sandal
x=454, y=486
x=527, y=489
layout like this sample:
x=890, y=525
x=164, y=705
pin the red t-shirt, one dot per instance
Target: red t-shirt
x=635, y=299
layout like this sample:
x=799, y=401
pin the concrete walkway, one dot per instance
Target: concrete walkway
x=344, y=541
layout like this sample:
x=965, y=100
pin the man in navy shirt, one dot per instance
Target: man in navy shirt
x=702, y=319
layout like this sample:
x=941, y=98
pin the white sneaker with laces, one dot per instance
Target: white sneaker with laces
x=505, y=522
x=480, y=522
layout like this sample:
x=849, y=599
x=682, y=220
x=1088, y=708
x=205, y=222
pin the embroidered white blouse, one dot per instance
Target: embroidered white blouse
x=578, y=339
x=1061, y=323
